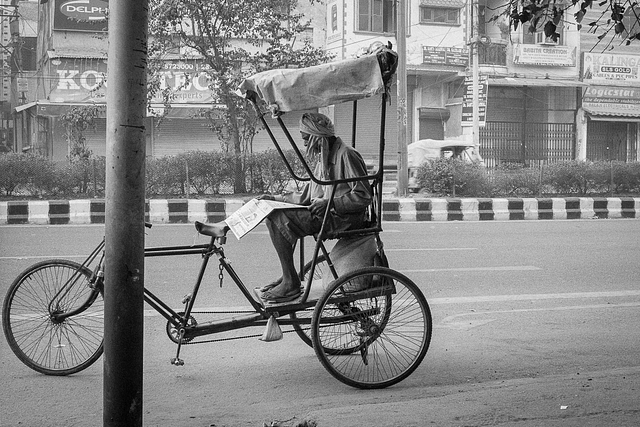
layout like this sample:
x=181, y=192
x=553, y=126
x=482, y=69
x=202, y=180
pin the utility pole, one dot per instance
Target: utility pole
x=401, y=39
x=475, y=80
x=125, y=201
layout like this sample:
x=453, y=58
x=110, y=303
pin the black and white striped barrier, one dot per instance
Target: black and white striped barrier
x=173, y=211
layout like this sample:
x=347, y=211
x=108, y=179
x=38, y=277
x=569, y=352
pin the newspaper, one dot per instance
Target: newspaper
x=252, y=213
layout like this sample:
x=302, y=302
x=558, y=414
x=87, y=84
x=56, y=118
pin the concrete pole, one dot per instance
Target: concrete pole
x=125, y=201
x=476, y=79
x=401, y=39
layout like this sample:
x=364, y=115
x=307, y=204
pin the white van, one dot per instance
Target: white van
x=430, y=149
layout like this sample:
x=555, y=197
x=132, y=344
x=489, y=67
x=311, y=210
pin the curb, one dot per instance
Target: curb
x=176, y=211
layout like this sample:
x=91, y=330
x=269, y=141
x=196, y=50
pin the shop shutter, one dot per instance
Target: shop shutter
x=262, y=141
x=174, y=136
x=96, y=140
x=368, y=128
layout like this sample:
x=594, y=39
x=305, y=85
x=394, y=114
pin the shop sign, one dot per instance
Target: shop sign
x=435, y=55
x=551, y=56
x=85, y=80
x=81, y=15
x=603, y=66
x=613, y=97
x=467, y=101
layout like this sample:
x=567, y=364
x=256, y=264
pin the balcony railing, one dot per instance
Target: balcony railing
x=492, y=54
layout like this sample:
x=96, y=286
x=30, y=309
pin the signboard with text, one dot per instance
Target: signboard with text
x=467, y=101
x=612, y=97
x=81, y=15
x=537, y=54
x=617, y=67
x=84, y=80
x=445, y=56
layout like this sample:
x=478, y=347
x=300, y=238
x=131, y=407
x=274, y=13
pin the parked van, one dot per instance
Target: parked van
x=430, y=149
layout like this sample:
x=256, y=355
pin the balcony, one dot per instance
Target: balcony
x=492, y=54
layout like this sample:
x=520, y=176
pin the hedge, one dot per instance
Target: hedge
x=205, y=174
x=189, y=174
x=453, y=177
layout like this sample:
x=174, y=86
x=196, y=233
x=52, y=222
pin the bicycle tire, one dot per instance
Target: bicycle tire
x=385, y=330
x=36, y=337
x=305, y=332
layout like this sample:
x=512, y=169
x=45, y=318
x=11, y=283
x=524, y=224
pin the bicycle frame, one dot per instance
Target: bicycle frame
x=180, y=319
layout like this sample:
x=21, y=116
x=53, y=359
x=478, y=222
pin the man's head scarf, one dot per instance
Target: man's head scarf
x=321, y=129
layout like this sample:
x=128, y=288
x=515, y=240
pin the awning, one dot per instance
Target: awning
x=177, y=111
x=53, y=109
x=614, y=112
x=522, y=82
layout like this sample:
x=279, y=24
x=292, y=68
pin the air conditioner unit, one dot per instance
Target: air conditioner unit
x=542, y=39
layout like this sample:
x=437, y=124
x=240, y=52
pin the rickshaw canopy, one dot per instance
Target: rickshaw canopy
x=322, y=85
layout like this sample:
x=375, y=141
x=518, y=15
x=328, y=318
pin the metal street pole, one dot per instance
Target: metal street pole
x=401, y=40
x=125, y=201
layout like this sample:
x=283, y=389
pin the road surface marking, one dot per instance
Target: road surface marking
x=466, y=269
x=455, y=321
x=524, y=297
x=428, y=249
x=3, y=258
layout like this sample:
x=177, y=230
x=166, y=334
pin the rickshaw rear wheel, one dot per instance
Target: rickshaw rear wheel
x=377, y=336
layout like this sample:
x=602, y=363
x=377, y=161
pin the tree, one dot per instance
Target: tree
x=619, y=17
x=76, y=121
x=234, y=39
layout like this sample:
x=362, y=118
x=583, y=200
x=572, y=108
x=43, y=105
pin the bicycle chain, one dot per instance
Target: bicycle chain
x=235, y=338
x=231, y=338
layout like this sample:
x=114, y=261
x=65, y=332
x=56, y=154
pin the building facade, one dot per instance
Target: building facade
x=71, y=52
x=541, y=99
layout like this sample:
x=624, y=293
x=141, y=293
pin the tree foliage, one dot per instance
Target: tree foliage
x=619, y=17
x=234, y=39
x=76, y=121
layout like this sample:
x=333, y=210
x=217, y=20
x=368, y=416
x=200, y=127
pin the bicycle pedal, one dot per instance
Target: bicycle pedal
x=177, y=361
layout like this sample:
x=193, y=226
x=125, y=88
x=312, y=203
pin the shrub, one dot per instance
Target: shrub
x=208, y=170
x=626, y=177
x=440, y=176
x=516, y=180
x=15, y=170
x=577, y=177
x=270, y=174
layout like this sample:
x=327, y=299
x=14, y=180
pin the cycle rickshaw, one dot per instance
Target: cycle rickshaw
x=370, y=336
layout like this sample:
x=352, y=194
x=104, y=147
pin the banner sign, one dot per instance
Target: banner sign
x=604, y=66
x=553, y=56
x=85, y=80
x=467, y=101
x=445, y=56
x=81, y=15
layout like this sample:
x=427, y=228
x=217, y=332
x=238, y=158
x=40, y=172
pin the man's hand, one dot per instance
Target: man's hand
x=266, y=197
x=318, y=207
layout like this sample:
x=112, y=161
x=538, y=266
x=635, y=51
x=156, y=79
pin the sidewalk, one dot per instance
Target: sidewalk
x=167, y=211
x=587, y=399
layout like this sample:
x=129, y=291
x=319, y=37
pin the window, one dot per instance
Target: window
x=376, y=16
x=439, y=15
x=539, y=37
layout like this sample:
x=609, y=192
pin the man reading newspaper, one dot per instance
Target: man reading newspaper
x=286, y=226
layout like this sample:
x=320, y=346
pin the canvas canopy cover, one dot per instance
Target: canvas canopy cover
x=322, y=85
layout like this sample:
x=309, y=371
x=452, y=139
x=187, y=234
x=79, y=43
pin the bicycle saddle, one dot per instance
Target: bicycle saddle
x=219, y=229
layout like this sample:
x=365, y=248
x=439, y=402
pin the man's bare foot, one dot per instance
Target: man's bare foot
x=282, y=292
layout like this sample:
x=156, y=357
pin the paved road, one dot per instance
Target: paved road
x=536, y=323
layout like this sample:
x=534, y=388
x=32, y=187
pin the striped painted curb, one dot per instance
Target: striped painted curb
x=174, y=211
